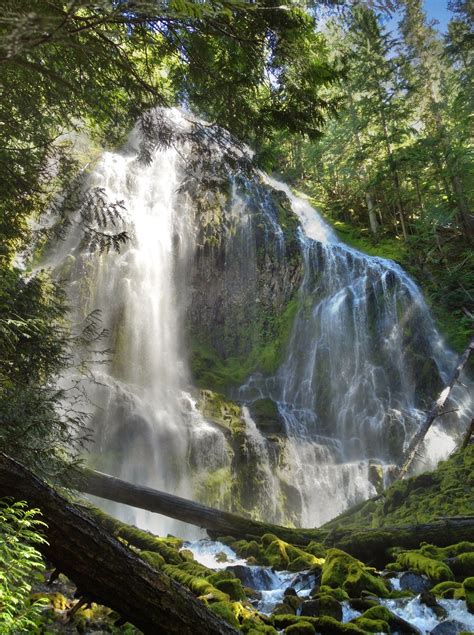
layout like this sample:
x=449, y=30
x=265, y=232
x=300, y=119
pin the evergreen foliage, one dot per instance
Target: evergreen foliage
x=395, y=168
x=20, y=562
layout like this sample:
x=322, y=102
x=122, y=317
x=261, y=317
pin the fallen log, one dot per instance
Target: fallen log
x=435, y=411
x=105, y=569
x=372, y=545
x=367, y=544
x=216, y=522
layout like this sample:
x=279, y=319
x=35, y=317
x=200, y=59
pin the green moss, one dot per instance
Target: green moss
x=441, y=553
x=232, y=587
x=302, y=628
x=463, y=565
x=338, y=594
x=340, y=570
x=468, y=587
x=448, y=491
x=329, y=606
x=326, y=625
x=446, y=589
x=378, y=613
x=226, y=611
x=266, y=415
x=215, y=488
x=371, y=626
x=210, y=370
x=154, y=559
x=168, y=547
x=435, y=570
x=282, y=555
x=200, y=586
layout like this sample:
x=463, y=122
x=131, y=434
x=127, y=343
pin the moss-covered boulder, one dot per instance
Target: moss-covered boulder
x=326, y=625
x=435, y=570
x=282, y=555
x=468, y=587
x=322, y=605
x=302, y=628
x=371, y=626
x=340, y=570
x=446, y=589
x=462, y=565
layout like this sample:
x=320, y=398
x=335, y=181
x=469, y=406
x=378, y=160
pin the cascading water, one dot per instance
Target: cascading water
x=349, y=388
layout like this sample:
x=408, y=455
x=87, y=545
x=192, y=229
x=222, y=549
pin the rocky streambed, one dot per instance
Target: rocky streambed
x=342, y=595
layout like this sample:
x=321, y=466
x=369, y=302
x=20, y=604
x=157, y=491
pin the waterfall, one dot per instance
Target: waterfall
x=362, y=362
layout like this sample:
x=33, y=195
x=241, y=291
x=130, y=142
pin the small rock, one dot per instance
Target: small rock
x=450, y=627
x=310, y=608
x=290, y=591
x=221, y=556
x=414, y=582
x=428, y=599
x=362, y=604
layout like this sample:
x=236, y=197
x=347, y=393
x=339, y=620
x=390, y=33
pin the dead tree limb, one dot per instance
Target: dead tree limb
x=467, y=437
x=112, y=574
x=436, y=411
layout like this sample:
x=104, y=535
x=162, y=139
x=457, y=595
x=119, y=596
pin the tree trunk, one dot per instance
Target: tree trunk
x=433, y=413
x=106, y=570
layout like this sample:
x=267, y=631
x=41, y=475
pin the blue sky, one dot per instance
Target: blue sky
x=435, y=10
x=438, y=10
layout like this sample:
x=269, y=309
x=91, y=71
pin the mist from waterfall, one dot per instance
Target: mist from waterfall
x=347, y=388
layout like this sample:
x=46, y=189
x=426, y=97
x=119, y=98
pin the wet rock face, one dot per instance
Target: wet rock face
x=414, y=582
x=266, y=416
x=246, y=269
x=449, y=627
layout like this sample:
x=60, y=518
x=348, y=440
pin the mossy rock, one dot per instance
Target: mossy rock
x=340, y=570
x=260, y=629
x=435, y=570
x=302, y=628
x=323, y=605
x=371, y=626
x=338, y=594
x=232, y=587
x=468, y=587
x=266, y=415
x=222, y=411
x=451, y=551
x=378, y=613
x=446, y=589
x=226, y=611
x=462, y=565
x=282, y=555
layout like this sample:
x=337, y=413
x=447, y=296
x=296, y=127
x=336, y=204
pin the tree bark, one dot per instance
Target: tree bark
x=106, y=570
x=433, y=413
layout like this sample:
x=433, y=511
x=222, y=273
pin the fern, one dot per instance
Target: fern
x=20, y=563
